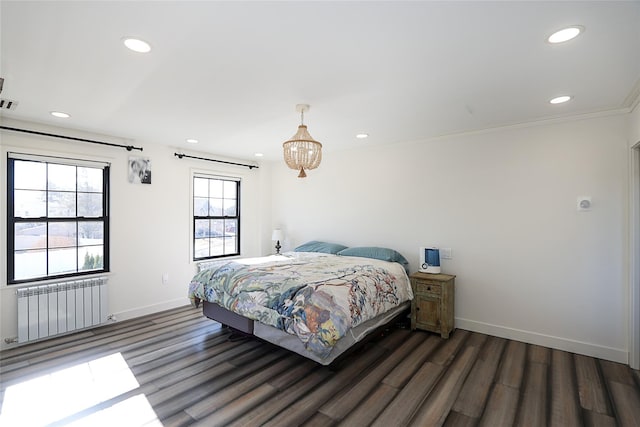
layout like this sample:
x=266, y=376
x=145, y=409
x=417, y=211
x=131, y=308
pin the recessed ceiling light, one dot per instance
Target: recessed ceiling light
x=137, y=45
x=565, y=34
x=60, y=114
x=259, y=154
x=560, y=99
x=362, y=135
x=192, y=141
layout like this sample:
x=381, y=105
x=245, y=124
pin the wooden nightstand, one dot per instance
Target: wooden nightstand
x=433, y=302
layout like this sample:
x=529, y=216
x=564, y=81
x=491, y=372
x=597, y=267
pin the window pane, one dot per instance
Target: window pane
x=230, y=189
x=90, y=233
x=90, y=179
x=201, y=249
x=62, y=177
x=200, y=206
x=91, y=258
x=62, y=234
x=216, y=246
x=31, y=235
x=217, y=227
x=63, y=261
x=230, y=207
x=201, y=228
x=230, y=245
x=29, y=175
x=215, y=207
x=90, y=204
x=231, y=227
x=215, y=188
x=30, y=203
x=30, y=264
x=200, y=187
x=62, y=204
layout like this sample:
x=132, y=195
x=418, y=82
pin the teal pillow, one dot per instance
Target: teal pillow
x=384, y=254
x=317, y=246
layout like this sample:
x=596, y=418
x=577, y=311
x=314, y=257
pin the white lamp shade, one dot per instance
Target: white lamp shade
x=277, y=234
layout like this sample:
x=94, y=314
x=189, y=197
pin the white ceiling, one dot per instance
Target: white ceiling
x=230, y=73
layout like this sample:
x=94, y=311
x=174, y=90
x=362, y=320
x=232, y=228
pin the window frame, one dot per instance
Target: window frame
x=12, y=220
x=212, y=177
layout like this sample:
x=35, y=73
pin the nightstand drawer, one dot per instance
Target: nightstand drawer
x=432, y=288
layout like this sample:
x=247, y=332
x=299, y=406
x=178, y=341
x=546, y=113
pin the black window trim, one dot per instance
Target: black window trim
x=11, y=220
x=213, y=176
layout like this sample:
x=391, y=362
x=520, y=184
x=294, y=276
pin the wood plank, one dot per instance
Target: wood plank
x=456, y=419
x=236, y=408
x=259, y=415
x=401, y=374
x=617, y=372
x=306, y=405
x=344, y=402
x=565, y=410
x=403, y=406
x=319, y=420
x=594, y=419
x=538, y=354
x=475, y=391
x=204, y=385
x=217, y=400
x=512, y=369
x=367, y=412
x=448, y=350
x=436, y=407
x=533, y=406
x=176, y=371
x=501, y=407
x=626, y=403
x=592, y=392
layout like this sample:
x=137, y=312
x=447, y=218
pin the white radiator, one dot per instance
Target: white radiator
x=57, y=308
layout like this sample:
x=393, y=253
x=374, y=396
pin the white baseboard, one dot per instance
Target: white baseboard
x=150, y=309
x=587, y=349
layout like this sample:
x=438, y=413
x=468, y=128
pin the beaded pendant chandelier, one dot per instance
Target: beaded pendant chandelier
x=302, y=151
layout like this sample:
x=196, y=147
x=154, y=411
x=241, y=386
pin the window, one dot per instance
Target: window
x=216, y=217
x=57, y=218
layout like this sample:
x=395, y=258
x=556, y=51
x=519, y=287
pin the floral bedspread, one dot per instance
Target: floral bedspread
x=316, y=296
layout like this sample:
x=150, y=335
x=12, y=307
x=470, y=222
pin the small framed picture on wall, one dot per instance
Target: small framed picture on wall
x=139, y=170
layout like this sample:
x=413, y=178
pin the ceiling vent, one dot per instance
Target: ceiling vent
x=7, y=104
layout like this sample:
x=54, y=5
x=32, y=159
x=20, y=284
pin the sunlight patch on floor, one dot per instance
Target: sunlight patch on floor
x=55, y=396
x=134, y=411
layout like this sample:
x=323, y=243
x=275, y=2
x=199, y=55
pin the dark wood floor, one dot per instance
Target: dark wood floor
x=191, y=373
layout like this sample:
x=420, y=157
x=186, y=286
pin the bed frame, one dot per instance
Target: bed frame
x=356, y=337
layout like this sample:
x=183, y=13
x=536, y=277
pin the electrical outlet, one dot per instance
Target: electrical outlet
x=445, y=253
x=165, y=278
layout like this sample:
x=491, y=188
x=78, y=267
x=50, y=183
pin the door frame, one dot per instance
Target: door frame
x=634, y=259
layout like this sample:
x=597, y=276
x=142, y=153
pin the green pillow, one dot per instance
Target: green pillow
x=318, y=246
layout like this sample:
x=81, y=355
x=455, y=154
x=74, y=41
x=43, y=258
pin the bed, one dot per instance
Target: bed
x=318, y=300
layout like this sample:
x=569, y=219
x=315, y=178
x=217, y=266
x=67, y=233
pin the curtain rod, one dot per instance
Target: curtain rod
x=178, y=155
x=128, y=147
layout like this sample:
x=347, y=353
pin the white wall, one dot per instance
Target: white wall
x=528, y=265
x=150, y=224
